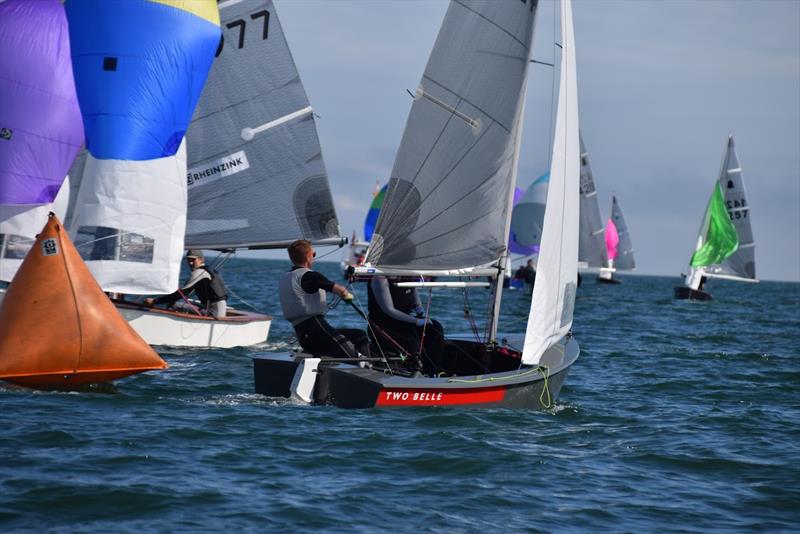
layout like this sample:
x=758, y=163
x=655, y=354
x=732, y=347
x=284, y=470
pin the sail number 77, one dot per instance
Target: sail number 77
x=241, y=24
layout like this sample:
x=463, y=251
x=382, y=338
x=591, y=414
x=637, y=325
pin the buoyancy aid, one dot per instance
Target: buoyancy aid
x=296, y=304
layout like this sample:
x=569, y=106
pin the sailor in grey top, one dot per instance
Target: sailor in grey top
x=303, y=295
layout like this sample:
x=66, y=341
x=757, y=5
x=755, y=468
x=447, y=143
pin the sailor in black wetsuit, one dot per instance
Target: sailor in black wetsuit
x=205, y=282
x=304, y=304
x=398, y=312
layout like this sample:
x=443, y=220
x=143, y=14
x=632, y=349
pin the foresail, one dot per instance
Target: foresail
x=550, y=317
x=447, y=203
x=256, y=175
x=591, y=246
x=742, y=262
x=624, y=260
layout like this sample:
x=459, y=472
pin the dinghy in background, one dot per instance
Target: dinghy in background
x=466, y=125
x=89, y=343
x=725, y=246
x=619, y=248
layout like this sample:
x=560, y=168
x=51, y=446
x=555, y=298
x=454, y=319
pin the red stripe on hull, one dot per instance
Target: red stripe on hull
x=441, y=397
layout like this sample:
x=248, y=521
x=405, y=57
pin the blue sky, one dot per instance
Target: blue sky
x=661, y=85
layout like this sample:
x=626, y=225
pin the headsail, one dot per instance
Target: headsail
x=591, y=248
x=138, y=82
x=256, y=175
x=624, y=260
x=449, y=194
x=718, y=238
x=550, y=318
x=527, y=218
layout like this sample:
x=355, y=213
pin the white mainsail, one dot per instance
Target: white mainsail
x=256, y=176
x=550, y=317
x=19, y=225
x=447, y=204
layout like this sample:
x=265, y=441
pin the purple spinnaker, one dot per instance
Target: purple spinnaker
x=41, y=129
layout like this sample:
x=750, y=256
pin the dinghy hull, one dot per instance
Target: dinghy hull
x=179, y=328
x=350, y=386
x=612, y=281
x=687, y=293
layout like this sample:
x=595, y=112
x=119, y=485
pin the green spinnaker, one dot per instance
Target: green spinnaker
x=721, y=239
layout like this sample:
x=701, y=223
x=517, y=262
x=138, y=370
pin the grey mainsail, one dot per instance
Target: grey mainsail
x=449, y=195
x=591, y=245
x=624, y=260
x=256, y=175
x=742, y=262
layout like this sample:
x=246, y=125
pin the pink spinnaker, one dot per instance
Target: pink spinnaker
x=612, y=239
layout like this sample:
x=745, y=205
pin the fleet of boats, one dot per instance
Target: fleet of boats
x=226, y=157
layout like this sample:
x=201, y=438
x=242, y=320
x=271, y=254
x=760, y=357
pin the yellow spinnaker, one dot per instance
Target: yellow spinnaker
x=206, y=9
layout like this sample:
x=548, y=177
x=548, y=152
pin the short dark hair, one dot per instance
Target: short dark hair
x=298, y=250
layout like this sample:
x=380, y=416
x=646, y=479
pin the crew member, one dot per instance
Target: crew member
x=205, y=282
x=303, y=295
x=400, y=318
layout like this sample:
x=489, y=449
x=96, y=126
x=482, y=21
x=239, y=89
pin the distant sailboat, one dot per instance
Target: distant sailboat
x=447, y=214
x=356, y=252
x=725, y=247
x=527, y=218
x=619, y=247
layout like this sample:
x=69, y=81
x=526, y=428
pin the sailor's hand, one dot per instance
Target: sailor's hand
x=149, y=301
x=421, y=321
x=347, y=296
x=418, y=311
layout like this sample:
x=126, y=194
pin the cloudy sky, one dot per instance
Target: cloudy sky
x=661, y=85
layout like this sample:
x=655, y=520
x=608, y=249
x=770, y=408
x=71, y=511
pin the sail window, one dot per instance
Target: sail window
x=15, y=247
x=104, y=243
x=5, y=133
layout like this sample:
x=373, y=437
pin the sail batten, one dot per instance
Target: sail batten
x=254, y=153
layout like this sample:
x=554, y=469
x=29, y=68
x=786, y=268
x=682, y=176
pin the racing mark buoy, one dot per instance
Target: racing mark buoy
x=58, y=330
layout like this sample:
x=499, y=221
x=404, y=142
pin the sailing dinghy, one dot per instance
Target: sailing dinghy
x=447, y=213
x=129, y=217
x=619, y=248
x=725, y=247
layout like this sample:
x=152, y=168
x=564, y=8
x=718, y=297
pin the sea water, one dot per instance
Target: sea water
x=678, y=416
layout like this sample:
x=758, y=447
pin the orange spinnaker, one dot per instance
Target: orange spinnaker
x=58, y=330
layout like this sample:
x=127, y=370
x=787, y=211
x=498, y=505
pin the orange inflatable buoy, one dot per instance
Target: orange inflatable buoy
x=58, y=330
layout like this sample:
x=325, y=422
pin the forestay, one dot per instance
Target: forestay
x=449, y=195
x=550, y=318
x=591, y=248
x=742, y=262
x=256, y=176
x=624, y=260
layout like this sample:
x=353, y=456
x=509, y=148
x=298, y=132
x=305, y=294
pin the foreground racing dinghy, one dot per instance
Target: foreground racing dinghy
x=463, y=135
x=725, y=247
